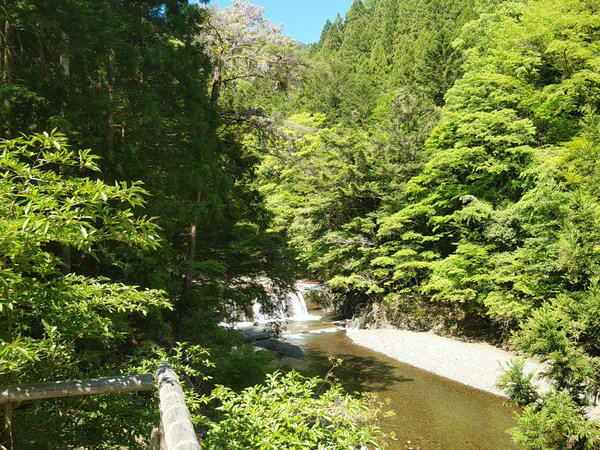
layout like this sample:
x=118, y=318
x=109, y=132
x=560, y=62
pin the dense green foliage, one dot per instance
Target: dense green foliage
x=349, y=171
x=379, y=46
x=424, y=155
x=57, y=325
x=135, y=89
x=89, y=285
x=288, y=412
x=448, y=159
x=47, y=314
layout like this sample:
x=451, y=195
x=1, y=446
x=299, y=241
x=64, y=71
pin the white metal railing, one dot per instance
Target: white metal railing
x=176, y=431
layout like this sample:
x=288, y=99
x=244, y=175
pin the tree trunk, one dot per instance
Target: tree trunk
x=7, y=45
x=191, y=255
x=109, y=140
x=65, y=63
x=216, y=85
x=187, y=278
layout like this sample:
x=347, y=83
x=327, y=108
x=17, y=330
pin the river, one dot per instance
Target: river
x=431, y=412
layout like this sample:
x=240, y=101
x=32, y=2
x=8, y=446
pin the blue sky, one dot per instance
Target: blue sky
x=303, y=20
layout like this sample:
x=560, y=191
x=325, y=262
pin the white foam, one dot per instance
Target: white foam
x=327, y=330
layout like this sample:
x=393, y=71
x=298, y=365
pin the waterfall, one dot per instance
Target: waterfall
x=297, y=306
x=283, y=306
x=288, y=306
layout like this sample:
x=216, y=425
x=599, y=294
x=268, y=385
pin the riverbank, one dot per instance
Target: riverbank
x=474, y=364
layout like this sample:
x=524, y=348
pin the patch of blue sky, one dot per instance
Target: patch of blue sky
x=302, y=20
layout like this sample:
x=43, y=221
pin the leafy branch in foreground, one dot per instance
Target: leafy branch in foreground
x=46, y=204
x=286, y=412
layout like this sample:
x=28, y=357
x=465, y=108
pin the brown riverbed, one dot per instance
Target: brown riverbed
x=431, y=412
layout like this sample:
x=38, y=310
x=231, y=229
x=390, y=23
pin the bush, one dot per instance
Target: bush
x=289, y=411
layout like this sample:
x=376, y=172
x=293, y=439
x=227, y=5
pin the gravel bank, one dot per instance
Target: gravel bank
x=473, y=364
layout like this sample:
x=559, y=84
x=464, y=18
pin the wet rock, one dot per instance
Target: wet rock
x=254, y=335
x=282, y=348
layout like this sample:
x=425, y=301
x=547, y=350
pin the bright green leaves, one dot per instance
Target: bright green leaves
x=488, y=201
x=561, y=215
x=44, y=200
x=492, y=221
x=556, y=334
x=460, y=277
x=325, y=195
x=557, y=424
x=46, y=204
x=289, y=411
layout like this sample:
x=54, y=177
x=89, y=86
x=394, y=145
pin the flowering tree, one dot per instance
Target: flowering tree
x=244, y=45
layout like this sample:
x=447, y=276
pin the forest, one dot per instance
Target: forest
x=431, y=161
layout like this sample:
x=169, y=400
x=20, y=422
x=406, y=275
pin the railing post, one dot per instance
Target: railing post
x=155, y=439
x=8, y=426
x=176, y=429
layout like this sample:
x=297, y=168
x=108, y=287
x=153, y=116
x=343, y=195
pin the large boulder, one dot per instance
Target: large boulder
x=254, y=335
x=282, y=348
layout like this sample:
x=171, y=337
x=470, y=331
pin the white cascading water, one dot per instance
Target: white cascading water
x=297, y=306
x=289, y=306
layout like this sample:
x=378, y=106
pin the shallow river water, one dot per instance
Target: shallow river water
x=431, y=412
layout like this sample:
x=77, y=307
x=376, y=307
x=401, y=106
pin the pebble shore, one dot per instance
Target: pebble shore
x=475, y=364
